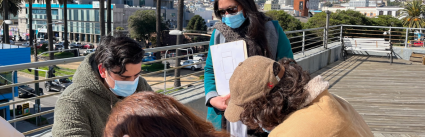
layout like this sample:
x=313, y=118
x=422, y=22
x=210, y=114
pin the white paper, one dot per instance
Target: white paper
x=237, y=129
x=225, y=58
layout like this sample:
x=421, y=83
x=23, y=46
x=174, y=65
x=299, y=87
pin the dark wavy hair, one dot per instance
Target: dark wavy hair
x=256, y=27
x=117, y=51
x=272, y=108
x=150, y=114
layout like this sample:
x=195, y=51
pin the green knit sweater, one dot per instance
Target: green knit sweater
x=84, y=107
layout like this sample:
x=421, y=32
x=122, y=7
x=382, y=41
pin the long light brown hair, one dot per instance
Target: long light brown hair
x=149, y=114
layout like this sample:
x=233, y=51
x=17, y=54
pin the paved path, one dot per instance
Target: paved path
x=390, y=98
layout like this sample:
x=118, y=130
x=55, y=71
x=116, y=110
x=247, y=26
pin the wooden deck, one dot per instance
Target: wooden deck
x=391, y=98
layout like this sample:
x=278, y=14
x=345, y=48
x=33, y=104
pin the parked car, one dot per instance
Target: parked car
x=75, y=45
x=88, y=46
x=26, y=91
x=39, y=46
x=41, y=40
x=89, y=51
x=149, y=54
x=57, y=84
x=192, y=67
x=148, y=58
x=27, y=44
x=200, y=57
x=418, y=43
x=58, y=46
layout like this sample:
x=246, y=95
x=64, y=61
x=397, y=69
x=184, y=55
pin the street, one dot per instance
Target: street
x=47, y=103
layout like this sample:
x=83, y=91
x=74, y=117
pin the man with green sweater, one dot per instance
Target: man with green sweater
x=102, y=79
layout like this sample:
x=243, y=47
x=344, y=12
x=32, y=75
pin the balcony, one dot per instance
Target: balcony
x=388, y=95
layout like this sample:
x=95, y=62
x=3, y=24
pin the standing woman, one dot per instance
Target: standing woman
x=241, y=20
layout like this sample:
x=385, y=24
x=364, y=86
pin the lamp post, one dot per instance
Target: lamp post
x=391, y=45
x=7, y=22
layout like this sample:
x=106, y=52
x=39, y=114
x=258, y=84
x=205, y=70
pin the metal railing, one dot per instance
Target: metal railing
x=301, y=41
x=24, y=66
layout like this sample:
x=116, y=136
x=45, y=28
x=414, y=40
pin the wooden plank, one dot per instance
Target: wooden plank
x=390, y=98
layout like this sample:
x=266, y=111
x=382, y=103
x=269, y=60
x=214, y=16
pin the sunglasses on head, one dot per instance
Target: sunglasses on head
x=231, y=10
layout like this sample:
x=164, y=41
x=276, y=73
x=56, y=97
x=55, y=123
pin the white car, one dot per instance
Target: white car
x=41, y=40
x=27, y=44
x=89, y=51
x=200, y=57
x=192, y=67
x=75, y=45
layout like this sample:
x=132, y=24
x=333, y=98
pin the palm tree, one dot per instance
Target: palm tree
x=412, y=14
x=102, y=17
x=177, y=82
x=12, y=7
x=108, y=17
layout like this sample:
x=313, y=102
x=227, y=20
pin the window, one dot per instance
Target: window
x=301, y=5
x=173, y=14
x=397, y=13
x=389, y=13
x=371, y=14
x=88, y=27
x=96, y=15
x=75, y=14
x=381, y=12
x=54, y=12
x=87, y=15
x=82, y=15
x=365, y=14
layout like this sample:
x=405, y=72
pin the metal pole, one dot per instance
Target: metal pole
x=303, y=41
x=391, y=47
x=328, y=13
x=340, y=35
x=407, y=38
x=13, y=97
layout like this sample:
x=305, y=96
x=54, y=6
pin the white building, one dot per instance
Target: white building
x=359, y=3
x=393, y=11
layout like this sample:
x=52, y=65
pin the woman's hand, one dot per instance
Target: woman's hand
x=219, y=102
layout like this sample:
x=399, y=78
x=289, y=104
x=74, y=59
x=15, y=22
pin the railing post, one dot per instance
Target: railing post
x=340, y=35
x=13, y=98
x=303, y=42
x=407, y=38
x=328, y=13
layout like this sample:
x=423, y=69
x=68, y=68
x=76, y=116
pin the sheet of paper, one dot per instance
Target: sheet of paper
x=225, y=58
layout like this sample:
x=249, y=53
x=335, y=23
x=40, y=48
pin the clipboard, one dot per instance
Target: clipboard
x=226, y=57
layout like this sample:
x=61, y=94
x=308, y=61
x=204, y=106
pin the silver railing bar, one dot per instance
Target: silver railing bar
x=163, y=92
x=31, y=116
x=313, y=43
x=28, y=99
x=191, y=74
x=385, y=27
x=164, y=59
x=177, y=46
x=312, y=38
x=296, y=31
x=35, y=81
x=38, y=129
x=77, y=59
x=159, y=71
x=39, y=64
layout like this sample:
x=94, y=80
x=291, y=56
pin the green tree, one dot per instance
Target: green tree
x=197, y=23
x=348, y=17
x=386, y=20
x=142, y=24
x=286, y=21
x=412, y=14
x=119, y=28
x=394, y=3
x=328, y=4
x=13, y=6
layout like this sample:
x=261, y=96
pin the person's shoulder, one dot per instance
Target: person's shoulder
x=75, y=94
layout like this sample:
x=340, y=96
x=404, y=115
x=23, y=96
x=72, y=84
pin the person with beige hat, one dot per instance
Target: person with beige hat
x=280, y=98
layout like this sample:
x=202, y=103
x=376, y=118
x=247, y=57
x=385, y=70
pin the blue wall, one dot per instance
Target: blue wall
x=11, y=57
x=14, y=56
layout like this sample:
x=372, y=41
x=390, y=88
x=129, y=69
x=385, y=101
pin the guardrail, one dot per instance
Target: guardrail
x=301, y=41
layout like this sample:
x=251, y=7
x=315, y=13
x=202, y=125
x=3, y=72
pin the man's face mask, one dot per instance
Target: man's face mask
x=124, y=88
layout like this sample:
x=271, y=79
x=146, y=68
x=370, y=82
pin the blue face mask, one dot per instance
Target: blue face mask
x=234, y=21
x=124, y=88
x=265, y=130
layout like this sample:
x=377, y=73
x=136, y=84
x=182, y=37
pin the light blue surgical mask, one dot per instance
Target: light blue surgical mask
x=124, y=88
x=265, y=130
x=234, y=21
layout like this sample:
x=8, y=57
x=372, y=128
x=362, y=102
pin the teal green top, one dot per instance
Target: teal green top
x=283, y=50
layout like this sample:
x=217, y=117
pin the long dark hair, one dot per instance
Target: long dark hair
x=256, y=27
x=149, y=114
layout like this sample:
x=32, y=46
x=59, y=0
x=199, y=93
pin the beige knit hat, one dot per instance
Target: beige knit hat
x=250, y=80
